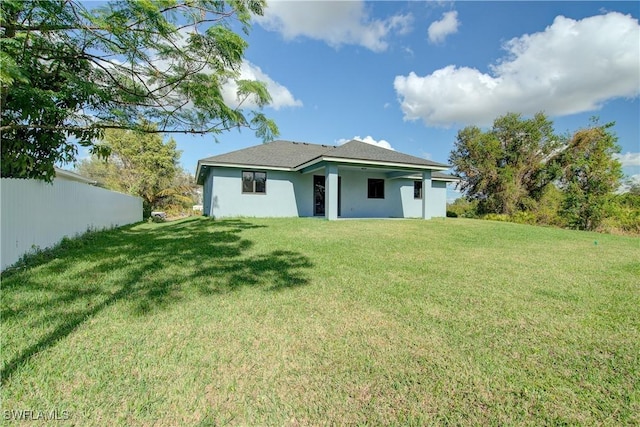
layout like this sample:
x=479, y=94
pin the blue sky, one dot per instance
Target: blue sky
x=409, y=75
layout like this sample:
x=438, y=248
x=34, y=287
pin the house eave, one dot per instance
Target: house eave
x=236, y=166
x=71, y=176
x=308, y=166
x=445, y=179
x=433, y=178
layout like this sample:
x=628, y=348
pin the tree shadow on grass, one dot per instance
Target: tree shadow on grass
x=148, y=267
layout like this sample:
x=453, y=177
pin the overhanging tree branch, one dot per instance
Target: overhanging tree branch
x=217, y=128
x=71, y=72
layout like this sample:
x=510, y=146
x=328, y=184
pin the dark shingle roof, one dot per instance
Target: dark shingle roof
x=290, y=155
x=282, y=154
x=358, y=150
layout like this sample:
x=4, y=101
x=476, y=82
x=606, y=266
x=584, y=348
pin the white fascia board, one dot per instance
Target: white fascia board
x=72, y=176
x=445, y=179
x=244, y=166
x=239, y=166
x=419, y=177
x=370, y=163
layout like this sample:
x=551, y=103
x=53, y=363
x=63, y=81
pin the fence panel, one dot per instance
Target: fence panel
x=35, y=214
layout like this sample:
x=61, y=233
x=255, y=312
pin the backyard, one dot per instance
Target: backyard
x=312, y=322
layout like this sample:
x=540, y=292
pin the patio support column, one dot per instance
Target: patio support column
x=426, y=194
x=331, y=191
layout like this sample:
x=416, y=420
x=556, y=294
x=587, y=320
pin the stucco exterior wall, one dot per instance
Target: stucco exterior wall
x=436, y=200
x=411, y=208
x=207, y=194
x=287, y=195
x=290, y=194
x=355, y=201
x=438, y=203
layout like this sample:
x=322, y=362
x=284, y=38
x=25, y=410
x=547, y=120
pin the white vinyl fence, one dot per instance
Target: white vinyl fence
x=35, y=214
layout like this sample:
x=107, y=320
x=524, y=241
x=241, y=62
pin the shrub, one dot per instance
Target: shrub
x=524, y=217
x=497, y=217
x=622, y=215
x=547, y=209
x=463, y=208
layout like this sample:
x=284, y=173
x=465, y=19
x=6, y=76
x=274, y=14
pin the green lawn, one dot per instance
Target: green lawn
x=310, y=322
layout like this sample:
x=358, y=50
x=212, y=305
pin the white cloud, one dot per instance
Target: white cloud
x=369, y=140
x=336, y=23
x=281, y=96
x=628, y=159
x=439, y=30
x=570, y=67
x=625, y=185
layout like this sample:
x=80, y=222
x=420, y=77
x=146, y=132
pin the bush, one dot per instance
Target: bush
x=547, y=209
x=627, y=225
x=622, y=215
x=524, y=217
x=521, y=217
x=462, y=208
x=497, y=217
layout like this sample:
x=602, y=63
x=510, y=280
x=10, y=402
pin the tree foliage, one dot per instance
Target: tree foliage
x=590, y=175
x=622, y=214
x=180, y=196
x=505, y=168
x=141, y=164
x=67, y=73
x=520, y=171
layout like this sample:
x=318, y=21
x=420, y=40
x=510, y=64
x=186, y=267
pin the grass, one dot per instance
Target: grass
x=309, y=322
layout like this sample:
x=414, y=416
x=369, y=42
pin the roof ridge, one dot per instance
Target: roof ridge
x=385, y=152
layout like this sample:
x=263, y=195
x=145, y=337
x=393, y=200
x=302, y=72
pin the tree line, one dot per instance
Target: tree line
x=521, y=170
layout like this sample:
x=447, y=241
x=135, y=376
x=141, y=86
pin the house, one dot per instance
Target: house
x=72, y=176
x=294, y=179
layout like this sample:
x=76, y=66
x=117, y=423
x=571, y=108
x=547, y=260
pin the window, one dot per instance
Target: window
x=376, y=189
x=254, y=182
x=417, y=189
